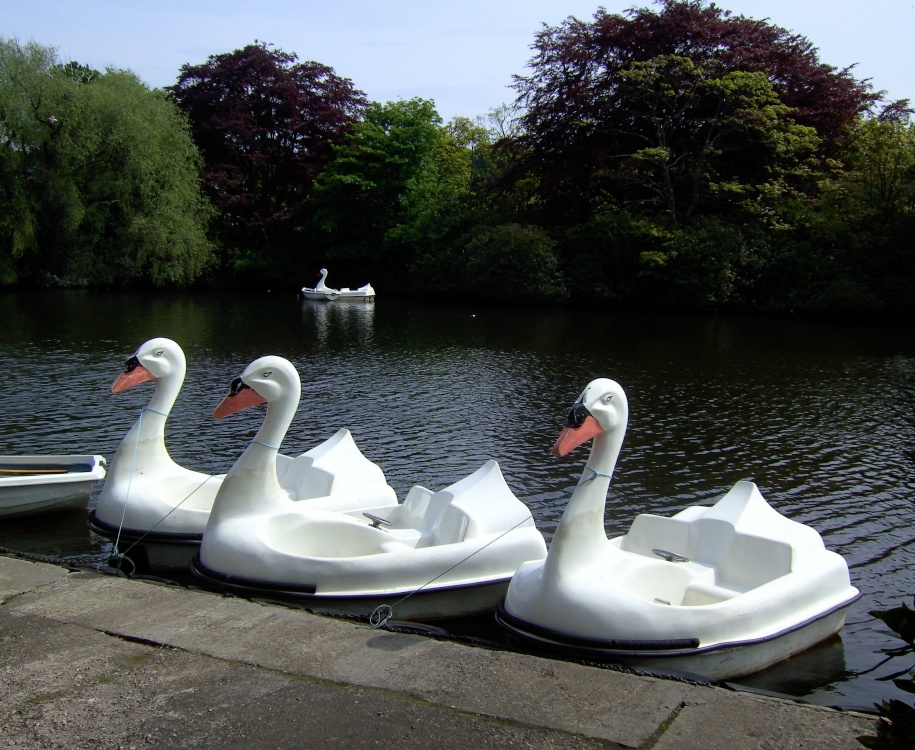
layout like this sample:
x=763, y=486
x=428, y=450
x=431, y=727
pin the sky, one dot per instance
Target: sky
x=460, y=54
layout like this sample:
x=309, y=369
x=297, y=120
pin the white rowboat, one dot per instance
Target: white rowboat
x=39, y=484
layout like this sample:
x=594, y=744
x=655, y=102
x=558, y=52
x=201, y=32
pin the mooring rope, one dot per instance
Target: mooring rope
x=384, y=612
x=117, y=554
x=136, y=445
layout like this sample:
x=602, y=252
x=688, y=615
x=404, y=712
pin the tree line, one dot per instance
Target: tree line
x=671, y=157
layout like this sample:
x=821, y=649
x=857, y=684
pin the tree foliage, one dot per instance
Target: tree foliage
x=512, y=263
x=266, y=125
x=99, y=177
x=372, y=187
x=699, y=138
x=865, y=220
x=690, y=87
x=438, y=202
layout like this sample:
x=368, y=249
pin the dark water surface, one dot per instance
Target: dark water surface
x=821, y=417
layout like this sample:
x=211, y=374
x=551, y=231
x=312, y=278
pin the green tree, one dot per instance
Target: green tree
x=512, y=263
x=25, y=124
x=864, y=221
x=438, y=201
x=372, y=187
x=881, y=174
x=703, y=139
x=99, y=176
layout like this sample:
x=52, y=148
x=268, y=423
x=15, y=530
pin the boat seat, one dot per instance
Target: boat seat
x=750, y=561
x=428, y=518
x=478, y=504
x=414, y=518
x=649, y=532
x=413, y=511
x=300, y=475
x=451, y=527
x=482, y=505
x=737, y=561
x=700, y=591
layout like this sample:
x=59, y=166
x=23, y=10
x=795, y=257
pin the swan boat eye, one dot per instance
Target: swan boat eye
x=160, y=352
x=267, y=374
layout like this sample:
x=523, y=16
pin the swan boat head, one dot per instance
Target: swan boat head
x=161, y=360
x=600, y=414
x=252, y=481
x=601, y=408
x=268, y=380
x=322, y=285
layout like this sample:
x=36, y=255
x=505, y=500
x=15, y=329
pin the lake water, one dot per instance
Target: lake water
x=821, y=417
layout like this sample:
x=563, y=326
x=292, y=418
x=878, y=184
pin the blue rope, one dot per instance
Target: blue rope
x=154, y=411
x=596, y=475
x=266, y=445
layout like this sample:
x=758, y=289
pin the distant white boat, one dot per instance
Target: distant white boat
x=39, y=484
x=324, y=293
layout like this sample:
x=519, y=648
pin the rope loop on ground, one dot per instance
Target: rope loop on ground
x=116, y=561
x=380, y=616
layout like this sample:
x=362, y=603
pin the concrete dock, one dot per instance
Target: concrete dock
x=95, y=661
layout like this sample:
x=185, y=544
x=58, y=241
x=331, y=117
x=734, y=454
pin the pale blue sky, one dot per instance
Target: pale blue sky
x=461, y=54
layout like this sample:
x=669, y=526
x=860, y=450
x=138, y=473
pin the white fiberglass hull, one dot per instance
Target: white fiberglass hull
x=721, y=591
x=363, y=294
x=158, y=519
x=440, y=554
x=150, y=550
x=439, y=581
x=421, y=605
x=716, y=662
x=323, y=293
x=40, y=484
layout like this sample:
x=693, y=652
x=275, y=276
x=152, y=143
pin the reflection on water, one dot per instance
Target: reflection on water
x=805, y=673
x=346, y=321
x=822, y=418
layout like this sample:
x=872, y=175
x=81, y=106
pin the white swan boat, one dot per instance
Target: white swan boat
x=324, y=293
x=720, y=591
x=439, y=554
x=158, y=509
x=39, y=484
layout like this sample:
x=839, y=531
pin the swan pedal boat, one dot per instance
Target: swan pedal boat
x=157, y=510
x=41, y=484
x=720, y=591
x=437, y=555
x=323, y=293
